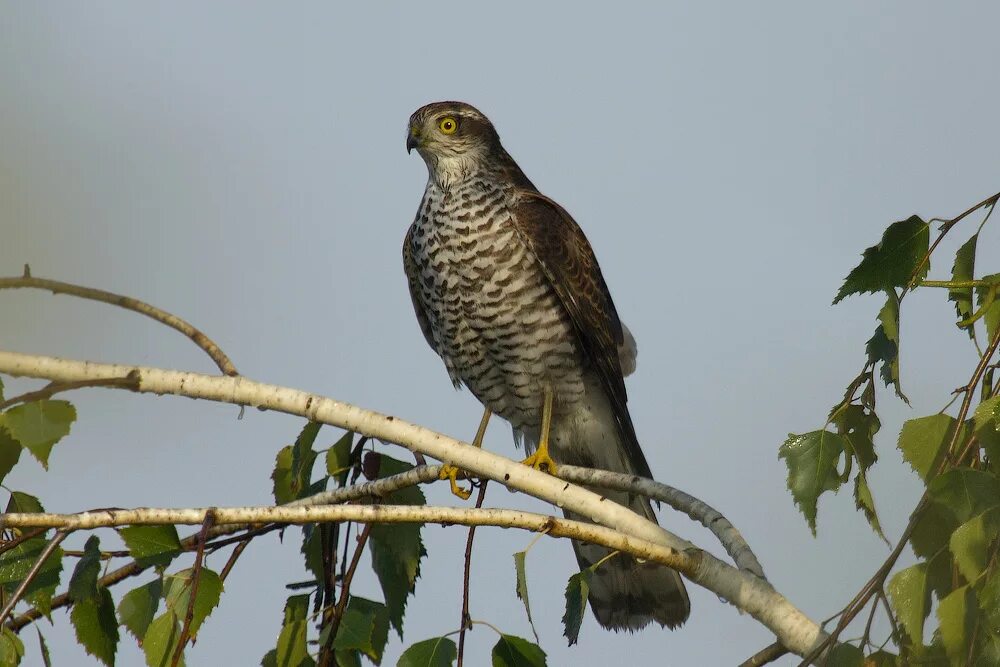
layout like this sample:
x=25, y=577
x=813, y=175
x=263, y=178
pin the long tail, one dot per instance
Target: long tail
x=624, y=593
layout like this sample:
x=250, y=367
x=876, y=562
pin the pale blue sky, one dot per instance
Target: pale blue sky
x=242, y=164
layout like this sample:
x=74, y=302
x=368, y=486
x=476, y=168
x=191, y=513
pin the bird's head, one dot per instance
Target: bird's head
x=453, y=138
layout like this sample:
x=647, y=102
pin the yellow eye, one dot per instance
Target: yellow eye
x=448, y=125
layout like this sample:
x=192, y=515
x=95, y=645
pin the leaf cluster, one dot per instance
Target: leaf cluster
x=954, y=529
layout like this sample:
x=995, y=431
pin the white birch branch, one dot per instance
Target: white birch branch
x=747, y=592
x=504, y=518
x=730, y=538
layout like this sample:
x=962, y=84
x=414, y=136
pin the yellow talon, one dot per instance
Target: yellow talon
x=451, y=473
x=541, y=460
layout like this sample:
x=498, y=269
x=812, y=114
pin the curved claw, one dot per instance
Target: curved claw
x=541, y=460
x=451, y=473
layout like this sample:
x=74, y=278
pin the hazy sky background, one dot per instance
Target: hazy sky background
x=243, y=165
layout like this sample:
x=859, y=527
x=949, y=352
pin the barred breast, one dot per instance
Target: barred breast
x=495, y=321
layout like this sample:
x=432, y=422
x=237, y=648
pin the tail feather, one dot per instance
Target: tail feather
x=625, y=594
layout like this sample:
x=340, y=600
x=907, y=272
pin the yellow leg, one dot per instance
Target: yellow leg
x=451, y=472
x=541, y=460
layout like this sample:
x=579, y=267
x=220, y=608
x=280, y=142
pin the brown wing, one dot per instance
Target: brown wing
x=568, y=261
x=412, y=279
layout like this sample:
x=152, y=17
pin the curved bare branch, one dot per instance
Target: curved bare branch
x=730, y=538
x=128, y=303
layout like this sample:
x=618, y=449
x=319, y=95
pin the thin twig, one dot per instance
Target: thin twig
x=866, y=637
x=345, y=589
x=970, y=388
x=103, y=555
x=765, y=655
x=195, y=579
x=128, y=303
x=32, y=573
x=466, y=620
x=233, y=557
x=130, y=381
x=945, y=228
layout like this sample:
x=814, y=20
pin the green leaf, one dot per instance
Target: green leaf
x=521, y=587
x=83, y=583
x=291, y=651
x=397, y=549
x=39, y=425
x=394, y=570
x=338, y=458
x=963, y=270
x=162, y=638
x=971, y=541
x=931, y=532
x=957, y=616
x=303, y=454
x=411, y=495
x=992, y=315
x=988, y=414
x=11, y=648
x=864, y=501
x=434, y=652
x=845, y=655
x=138, y=607
x=151, y=545
x=10, y=452
x=965, y=492
x=43, y=648
x=911, y=598
x=24, y=502
x=883, y=346
x=312, y=550
x=17, y=562
x=177, y=592
x=511, y=651
x=96, y=626
x=365, y=628
x=892, y=262
x=293, y=466
x=859, y=425
x=882, y=659
x=989, y=599
x=577, y=591
x=347, y=658
x=812, y=468
x=989, y=440
x=924, y=443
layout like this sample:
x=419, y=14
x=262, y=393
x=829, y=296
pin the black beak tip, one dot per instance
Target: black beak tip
x=411, y=143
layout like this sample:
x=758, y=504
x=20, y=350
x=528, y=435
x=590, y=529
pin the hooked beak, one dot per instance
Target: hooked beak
x=412, y=139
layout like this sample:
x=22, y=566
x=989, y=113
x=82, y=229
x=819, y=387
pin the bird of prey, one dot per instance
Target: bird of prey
x=508, y=293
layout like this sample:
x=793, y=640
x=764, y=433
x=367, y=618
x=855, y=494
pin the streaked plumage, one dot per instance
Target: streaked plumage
x=508, y=292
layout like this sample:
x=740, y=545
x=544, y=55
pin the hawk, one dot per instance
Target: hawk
x=508, y=292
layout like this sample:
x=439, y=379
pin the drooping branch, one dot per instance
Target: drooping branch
x=733, y=542
x=749, y=593
x=128, y=303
